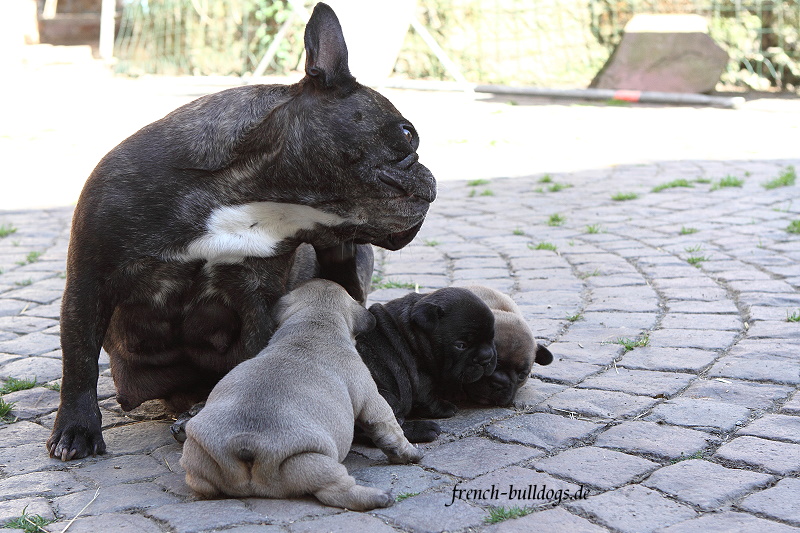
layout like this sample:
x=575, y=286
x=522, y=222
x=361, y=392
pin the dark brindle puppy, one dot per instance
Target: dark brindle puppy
x=184, y=235
x=517, y=350
x=424, y=348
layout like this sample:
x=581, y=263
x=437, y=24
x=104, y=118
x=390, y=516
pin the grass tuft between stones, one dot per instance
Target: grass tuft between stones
x=14, y=385
x=29, y=523
x=785, y=179
x=499, y=514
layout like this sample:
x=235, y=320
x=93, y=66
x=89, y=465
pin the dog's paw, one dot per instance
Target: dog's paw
x=73, y=441
x=421, y=430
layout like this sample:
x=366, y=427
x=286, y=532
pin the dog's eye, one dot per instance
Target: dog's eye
x=523, y=375
x=460, y=345
x=408, y=133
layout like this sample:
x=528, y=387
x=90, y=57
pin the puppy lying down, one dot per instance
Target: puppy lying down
x=279, y=425
x=517, y=350
x=424, y=348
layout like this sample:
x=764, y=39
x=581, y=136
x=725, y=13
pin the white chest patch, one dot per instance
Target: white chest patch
x=253, y=230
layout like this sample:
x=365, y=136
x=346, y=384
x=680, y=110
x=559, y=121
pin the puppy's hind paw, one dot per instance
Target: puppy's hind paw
x=421, y=430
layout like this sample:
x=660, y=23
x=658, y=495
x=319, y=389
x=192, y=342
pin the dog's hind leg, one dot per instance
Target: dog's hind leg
x=378, y=422
x=328, y=480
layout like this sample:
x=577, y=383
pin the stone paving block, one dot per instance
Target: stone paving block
x=33, y=402
x=728, y=522
x=751, y=395
x=514, y=486
x=551, y=520
x=9, y=307
x=650, y=438
x=594, y=353
x=774, y=330
x=587, y=334
x=692, y=321
x=121, y=469
x=792, y=407
x=11, y=509
x=633, y=509
x=21, y=324
x=175, y=483
x=52, y=310
x=35, y=294
x=473, y=456
x=19, y=433
x=470, y=420
x=113, y=499
x=649, y=305
x=692, y=338
x=52, y=484
x=427, y=513
x=776, y=502
x=400, y=479
x=777, y=347
x=566, y=373
x=348, y=522
x=287, y=511
x=787, y=300
x=194, y=516
x=116, y=522
x=636, y=321
x=43, y=369
x=774, y=369
x=138, y=437
x=702, y=414
x=714, y=307
x=668, y=359
x=534, y=392
x=704, y=484
x=598, y=403
x=543, y=430
x=27, y=458
x=31, y=344
x=605, y=469
x=640, y=382
x=773, y=456
x=774, y=427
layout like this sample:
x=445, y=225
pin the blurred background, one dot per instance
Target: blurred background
x=540, y=43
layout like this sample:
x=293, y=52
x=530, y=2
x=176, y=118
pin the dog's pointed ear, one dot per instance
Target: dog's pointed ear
x=326, y=51
x=543, y=355
x=363, y=320
x=425, y=315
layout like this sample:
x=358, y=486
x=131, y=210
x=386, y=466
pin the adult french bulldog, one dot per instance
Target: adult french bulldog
x=280, y=424
x=184, y=235
x=517, y=350
x=423, y=349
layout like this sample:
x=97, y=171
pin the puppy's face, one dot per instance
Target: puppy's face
x=516, y=353
x=460, y=328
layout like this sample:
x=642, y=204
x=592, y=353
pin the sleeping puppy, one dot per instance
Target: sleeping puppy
x=517, y=350
x=425, y=347
x=279, y=425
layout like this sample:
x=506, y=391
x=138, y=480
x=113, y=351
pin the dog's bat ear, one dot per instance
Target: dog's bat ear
x=426, y=315
x=543, y=355
x=363, y=320
x=326, y=51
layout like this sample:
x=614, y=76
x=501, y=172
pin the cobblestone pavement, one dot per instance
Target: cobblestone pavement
x=672, y=401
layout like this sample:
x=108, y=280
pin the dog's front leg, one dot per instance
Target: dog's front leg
x=350, y=265
x=379, y=424
x=84, y=319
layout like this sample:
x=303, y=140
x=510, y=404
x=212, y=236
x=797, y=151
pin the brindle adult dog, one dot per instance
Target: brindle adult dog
x=184, y=235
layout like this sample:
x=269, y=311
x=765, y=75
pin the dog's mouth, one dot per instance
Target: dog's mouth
x=395, y=241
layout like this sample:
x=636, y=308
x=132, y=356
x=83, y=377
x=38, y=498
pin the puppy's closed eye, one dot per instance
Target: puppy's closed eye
x=460, y=345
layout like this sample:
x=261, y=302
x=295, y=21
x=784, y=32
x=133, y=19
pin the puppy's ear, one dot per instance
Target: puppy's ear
x=363, y=320
x=426, y=315
x=543, y=355
x=326, y=51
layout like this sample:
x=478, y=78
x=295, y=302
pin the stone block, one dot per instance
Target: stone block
x=473, y=456
x=775, y=427
x=778, y=457
x=652, y=439
x=705, y=484
x=702, y=414
x=728, y=522
x=427, y=513
x=776, y=501
x=190, y=517
x=113, y=499
x=603, y=404
x=543, y=430
x=604, y=469
x=551, y=520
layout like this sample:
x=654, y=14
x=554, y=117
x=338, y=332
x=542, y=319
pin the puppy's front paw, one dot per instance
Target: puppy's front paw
x=73, y=441
x=409, y=454
x=421, y=430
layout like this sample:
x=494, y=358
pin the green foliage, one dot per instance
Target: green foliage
x=390, y=284
x=555, y=220
x=518, y=231
x=431, y=242
x=29, y=523
x=475, y=183
x=672, y=184
x=543, y=246
x=575, y=317
x=593, y=228
x=14, y=384
x=5, y=410
x=793, y=227
x=546, y=179
x=688, y=231
x=6, y=230
x=727, y=181
x=785, y=179
x=624, y=196
x=630, y=344
x=404, y=495
x=794, y=317
x=555, y=187
x=498, y=514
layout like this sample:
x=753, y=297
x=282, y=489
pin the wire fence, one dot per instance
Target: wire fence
x=544, y=43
